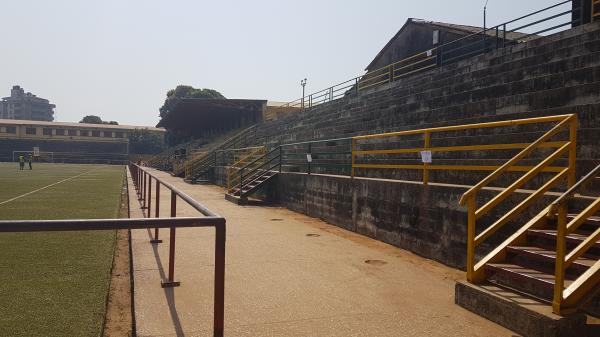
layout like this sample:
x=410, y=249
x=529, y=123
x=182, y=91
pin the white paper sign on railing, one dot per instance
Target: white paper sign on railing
x=426, y=157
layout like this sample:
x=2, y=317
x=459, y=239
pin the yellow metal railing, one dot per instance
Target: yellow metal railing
x=193, y=158
x=565, y=299
x=563, y=126
x=394, y=71
x=475, y=271
x=241, y=160
x=359, y=141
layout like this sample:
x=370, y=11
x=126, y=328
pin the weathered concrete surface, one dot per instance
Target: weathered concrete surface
x=523, y=315
x=425, y=219
x=280, y=281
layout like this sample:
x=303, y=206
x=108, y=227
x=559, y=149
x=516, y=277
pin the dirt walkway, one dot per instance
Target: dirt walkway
x=291, y=275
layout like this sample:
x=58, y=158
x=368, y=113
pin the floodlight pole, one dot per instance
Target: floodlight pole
x=484, y=24
x=303, y=84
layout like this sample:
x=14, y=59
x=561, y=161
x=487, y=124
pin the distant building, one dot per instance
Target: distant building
x=27, y=106
x=69, y=142
x=417, y=36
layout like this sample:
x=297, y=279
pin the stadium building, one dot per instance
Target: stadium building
x=67, y=142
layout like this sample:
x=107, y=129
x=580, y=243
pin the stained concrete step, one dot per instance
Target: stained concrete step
x=576, y=67
x=591, y=221
x=522, y=314
x=533, y=282
x=544, y=75
x=492, y=63
x=550, y=234
x=548, y=257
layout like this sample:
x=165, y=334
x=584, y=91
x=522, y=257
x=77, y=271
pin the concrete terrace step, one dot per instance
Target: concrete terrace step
x=522, y=314
x=459, y=111
x=527, y=280
x=385, y=124
x=453, y=83
x=550, y=234
x=549, y=256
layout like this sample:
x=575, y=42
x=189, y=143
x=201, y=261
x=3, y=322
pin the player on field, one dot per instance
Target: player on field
x=30, y=160
x=21, y=162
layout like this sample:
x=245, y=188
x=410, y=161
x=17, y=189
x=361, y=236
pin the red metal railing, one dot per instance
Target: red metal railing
x=143, y=179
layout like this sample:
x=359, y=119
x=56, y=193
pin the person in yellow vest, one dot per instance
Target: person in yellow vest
x=21, y=162
x=30, y=160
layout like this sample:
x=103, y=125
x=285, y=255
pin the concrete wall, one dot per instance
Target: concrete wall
x=426, y=220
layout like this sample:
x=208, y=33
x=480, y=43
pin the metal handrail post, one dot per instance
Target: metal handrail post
x=497, y=37
x=561, y=246
x=149, y=195
x=427, y=141
x=280, y=157
x=241, y=180
x=353, y=155
x=471, y=208
x=219, y=292
x=143, y=190
x=156, y=213
x=139, y=183
x=572, y=179
x=170, y=281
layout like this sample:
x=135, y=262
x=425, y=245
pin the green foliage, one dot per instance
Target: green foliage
x=145, y=142
x=186, y=91
x=91, y=119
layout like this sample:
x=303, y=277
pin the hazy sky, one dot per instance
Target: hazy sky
x=118, y=58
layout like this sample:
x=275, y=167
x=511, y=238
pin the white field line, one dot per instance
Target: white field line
x=43, y=188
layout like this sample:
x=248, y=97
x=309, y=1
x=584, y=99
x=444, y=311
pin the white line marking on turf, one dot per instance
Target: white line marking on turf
x=43, y=188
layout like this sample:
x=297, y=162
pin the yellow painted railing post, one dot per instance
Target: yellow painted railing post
x=561, y=246
x=426, y=165
x=471, y=208
x=353, y=154
x=572, y=151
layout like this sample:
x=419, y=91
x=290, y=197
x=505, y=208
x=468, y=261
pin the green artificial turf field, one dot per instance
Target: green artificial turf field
x=56, y=283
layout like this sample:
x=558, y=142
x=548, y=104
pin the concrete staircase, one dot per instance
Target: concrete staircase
x=253, y=176
x=529, y=266
x=543, y=279
x=197, y=168
x=239, y=194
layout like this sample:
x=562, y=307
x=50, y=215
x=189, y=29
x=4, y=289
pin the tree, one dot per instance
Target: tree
x=91, y=119
x=142, y=141
x=186, y=91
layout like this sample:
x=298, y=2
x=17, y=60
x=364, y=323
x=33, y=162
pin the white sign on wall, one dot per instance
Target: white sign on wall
x=426, y=157
x=309, y=157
